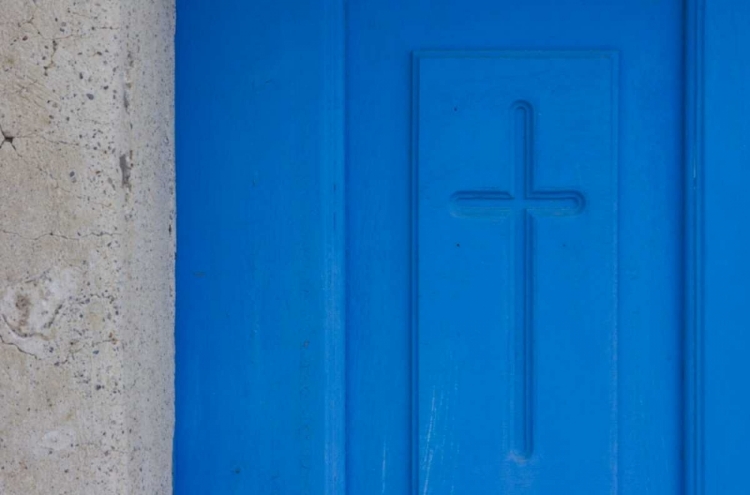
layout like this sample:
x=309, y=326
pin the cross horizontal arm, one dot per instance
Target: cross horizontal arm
x=492, y=203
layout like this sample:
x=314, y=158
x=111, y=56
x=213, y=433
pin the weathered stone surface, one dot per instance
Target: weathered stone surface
x=86, y=246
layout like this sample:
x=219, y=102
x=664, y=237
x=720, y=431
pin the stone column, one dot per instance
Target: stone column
x=87, y=242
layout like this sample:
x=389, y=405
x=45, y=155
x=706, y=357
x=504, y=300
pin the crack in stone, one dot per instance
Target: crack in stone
x=16, y=346
x=60, y=236
x=20, y=334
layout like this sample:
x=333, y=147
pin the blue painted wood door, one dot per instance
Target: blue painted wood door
x=443, y=247
x=506, y=322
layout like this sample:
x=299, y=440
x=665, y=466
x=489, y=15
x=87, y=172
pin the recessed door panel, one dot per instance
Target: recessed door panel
x=515, y=250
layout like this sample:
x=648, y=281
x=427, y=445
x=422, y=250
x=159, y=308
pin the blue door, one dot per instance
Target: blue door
x=458, y=247
x=506, y=322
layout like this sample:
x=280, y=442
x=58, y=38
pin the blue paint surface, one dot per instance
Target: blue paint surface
x=723, y=265
x=251, y=266
x=515, y=200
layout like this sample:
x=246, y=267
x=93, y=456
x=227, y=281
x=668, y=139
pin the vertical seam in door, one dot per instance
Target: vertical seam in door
x=693, y=441
x=414, y=437
x=333, y=176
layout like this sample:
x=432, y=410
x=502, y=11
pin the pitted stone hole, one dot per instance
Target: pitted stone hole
x=7, y=138
x=126, y=164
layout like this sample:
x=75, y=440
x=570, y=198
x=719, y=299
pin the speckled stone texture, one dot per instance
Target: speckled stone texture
x=86, y=246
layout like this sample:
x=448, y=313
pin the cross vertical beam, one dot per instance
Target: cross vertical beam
x=522, y=403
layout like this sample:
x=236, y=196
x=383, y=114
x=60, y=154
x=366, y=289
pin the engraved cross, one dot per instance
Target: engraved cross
x=525, y=203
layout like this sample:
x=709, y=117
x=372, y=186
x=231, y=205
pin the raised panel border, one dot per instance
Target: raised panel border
x=613, y=56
